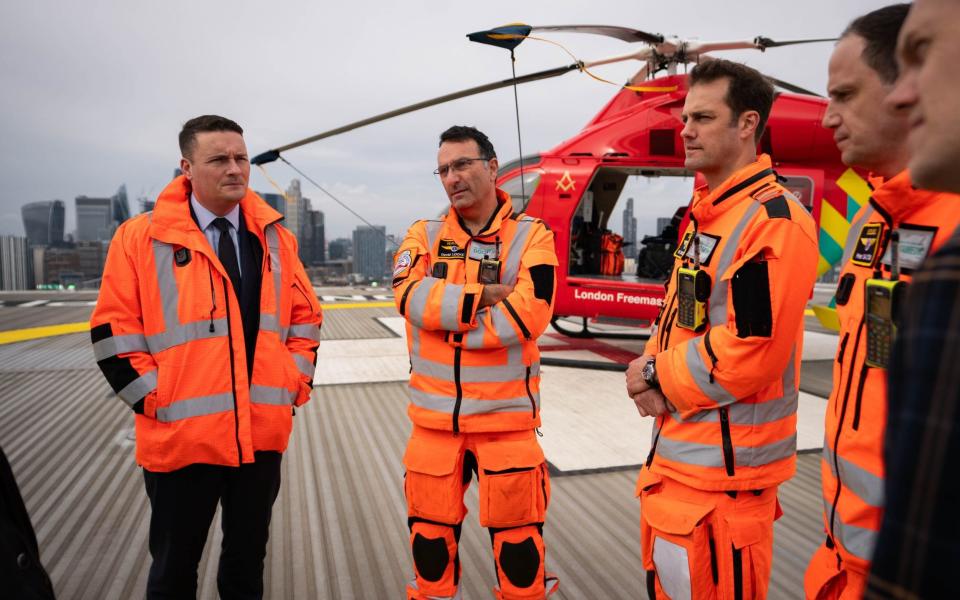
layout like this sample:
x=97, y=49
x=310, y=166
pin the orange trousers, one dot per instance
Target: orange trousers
x=514, y=494
x=705, y=545
x=830, y=578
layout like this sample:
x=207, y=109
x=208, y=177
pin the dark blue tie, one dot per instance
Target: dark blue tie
x=227, y=253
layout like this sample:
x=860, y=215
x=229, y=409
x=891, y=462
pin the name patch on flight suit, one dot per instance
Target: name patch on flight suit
x=867, y=243
x=481, y=250
x=708, y=243
x=913, y=247
x=182, y=257
x=450, y=249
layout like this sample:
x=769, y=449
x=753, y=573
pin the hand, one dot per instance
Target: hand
x=652, y=403
x=493, y=293
x=636, y=384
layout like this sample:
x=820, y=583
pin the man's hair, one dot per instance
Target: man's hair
x=462, y=133
x=748, y=90
x=879, y=30
x=203, y=124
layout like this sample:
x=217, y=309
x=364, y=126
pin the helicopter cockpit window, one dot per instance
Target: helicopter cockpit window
x=625, y=225
x=520, y=195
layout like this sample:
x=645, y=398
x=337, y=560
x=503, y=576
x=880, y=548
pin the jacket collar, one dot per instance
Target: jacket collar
x=896, y=198
x=503, y=212
x=708, y=204
x=171, y=221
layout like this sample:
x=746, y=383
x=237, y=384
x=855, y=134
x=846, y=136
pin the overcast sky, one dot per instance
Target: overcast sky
x=93, y=93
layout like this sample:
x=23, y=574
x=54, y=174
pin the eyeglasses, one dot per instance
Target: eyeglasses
x=458, y=166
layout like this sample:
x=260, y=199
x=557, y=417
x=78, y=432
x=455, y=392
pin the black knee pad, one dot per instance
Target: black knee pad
x=430, y=556
x=520, y=562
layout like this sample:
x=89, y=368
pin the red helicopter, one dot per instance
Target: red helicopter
x=576, y=186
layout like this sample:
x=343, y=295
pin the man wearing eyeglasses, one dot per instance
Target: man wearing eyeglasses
x=476, y=289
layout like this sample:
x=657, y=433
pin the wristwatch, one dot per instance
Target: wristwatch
x=649, y=373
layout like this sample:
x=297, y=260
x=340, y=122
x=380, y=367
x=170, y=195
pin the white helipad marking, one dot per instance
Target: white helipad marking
x=819, y=346
x=395, y=324
x=362, y=361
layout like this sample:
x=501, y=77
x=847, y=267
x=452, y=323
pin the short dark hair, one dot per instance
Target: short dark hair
x=462, y=133
x=202, y=124
x=879, y=30
x=748, y=90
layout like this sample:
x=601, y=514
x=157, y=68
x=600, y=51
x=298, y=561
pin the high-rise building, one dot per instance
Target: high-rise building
x=369, y=250
x=43, y=222
x=662, y=223
x=119, y=206
x=16, y=263
x=56, y=266
x=312, y=244
x=340, y=249
x=94, y=218
x=275, y=201
x=629, y=231
x=92, y=257
x=292, y=216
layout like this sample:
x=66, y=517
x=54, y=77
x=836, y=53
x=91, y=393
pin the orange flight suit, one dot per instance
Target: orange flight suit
x=852, y=468
x=708, y=488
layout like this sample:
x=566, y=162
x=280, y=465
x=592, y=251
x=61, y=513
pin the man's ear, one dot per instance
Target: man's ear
x=494, y=167
x=185, y=168
x=749, y=121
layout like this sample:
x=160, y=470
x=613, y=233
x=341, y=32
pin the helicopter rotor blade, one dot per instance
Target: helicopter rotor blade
x=625, y=34
x=274, y=154
x=790, y=87
x=764, y=42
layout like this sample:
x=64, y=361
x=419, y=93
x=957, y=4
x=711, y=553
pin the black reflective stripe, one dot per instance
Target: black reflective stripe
x=543, y=277
x=777, y=208
x=403, y=299
x=456, y=381
x=516, y=317
x=743, y=185
x=727, y=440
x=856, y=405
x=119, y=372
x=467, y=310
x=100, y=332
x=533, y=403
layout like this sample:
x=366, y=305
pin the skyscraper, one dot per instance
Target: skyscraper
x=43, y=222
x=120, y=206
x=94, y=218
x=340, y=248
x=369, y=250
x=629, y=231
x=275, y=201
x=292, y=216
x=313, y=239
x=16, y=263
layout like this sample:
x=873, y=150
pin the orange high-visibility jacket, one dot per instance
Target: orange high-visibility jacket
x=475, y=370
x=852, y=467
x=167, y=330
x=735, y=384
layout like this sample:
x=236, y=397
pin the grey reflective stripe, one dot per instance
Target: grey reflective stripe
x=268, y=322
x=169, y=292
x=417, y=305
x=854, y=233
x=474, y=338
x=195, y=407
x=119, y=344
x=433, y=231
x=450, y=305
x=502, y=325
x=304, y=365
x=718, y=297
x=139, y=387
x=708, y=455
x=855, y=540
x=744, y=413
x=277, y=396
x=307, y=331
x=469, y=374
x=864, y=484
x=700, y=372
x=471, y=406
x=188, y=332
x=273, y=244
x=511, y=266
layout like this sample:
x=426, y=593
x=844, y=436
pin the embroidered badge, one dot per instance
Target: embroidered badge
x=867, y=243
x=480, y=251
x=708, y=243
x=403, y=263
x=914, y=246
x=182, y=257
x=450, y=249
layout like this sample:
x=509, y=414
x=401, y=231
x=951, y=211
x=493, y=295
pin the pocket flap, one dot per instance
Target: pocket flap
x=744, y=530
x=646, y=480
x=509, y=454
x=434, y=455
x=672, y=516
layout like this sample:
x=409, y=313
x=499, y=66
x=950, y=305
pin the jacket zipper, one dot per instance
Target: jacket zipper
x=667, y=322
x=533, y=403
x=727, y=440
x=856, y=405
x=836, y=439
x=843, y=347
x=709, y=349
x=666, y=340
x=233, y=376
x=456, y=380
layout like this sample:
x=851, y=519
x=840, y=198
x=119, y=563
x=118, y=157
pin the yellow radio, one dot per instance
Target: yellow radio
x=881, y=309
x=693, y=291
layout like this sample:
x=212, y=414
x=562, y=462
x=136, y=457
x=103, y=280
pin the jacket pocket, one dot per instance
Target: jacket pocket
x=678, y=545
x=514, y=486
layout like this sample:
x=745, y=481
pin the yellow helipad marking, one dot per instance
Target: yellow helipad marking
x=809, y=312
x=35, y=333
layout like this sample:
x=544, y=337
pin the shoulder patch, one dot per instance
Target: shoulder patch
x=777, y=208
x=182, y=257
x=867, y=242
